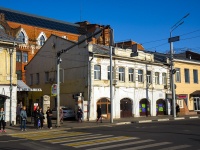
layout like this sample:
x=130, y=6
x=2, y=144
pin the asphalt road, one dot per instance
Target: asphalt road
x=170, y=135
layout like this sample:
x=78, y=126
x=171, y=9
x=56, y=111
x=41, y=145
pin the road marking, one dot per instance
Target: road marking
x=145, y=121
x=123, y=144
x=99, y=141
x=176, y=147
x=179, y=118
x=147, y=146
x=122, y=123
x=193, y=117
x=163, y=119
x=66, y=140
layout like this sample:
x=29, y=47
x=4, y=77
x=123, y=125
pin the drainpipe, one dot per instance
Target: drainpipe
x=89, y=86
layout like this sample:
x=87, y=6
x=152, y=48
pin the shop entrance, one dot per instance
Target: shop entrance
x=104, y=103
x=161, y=107
x=144, y=107
x=126, y=108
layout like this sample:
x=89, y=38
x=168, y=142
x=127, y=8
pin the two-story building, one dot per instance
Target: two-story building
x=139, y=84
x=8, y=76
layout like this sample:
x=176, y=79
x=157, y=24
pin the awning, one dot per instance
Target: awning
x=197, y=92
x=4, y=96
x=21, y=86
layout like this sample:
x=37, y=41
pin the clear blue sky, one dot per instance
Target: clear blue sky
x=142, y=21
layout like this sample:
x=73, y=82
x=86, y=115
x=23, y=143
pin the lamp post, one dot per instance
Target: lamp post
x=172, y=70
x=11, y=50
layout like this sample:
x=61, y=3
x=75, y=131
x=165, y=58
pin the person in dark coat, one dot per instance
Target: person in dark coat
x=41, y=118
x=49, y=117
x=37, y=116
x=99, y=114
x=177, y=109
x=79, y=114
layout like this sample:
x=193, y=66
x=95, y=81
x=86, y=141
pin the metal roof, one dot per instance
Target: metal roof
x=33, y=20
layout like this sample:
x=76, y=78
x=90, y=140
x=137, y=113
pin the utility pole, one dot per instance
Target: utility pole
x=172, y=70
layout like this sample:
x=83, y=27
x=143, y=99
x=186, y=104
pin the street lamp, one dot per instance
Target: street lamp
x=11, y=50
x=173, y=71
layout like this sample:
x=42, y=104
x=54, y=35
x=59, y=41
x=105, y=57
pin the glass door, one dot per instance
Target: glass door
x=197, y=103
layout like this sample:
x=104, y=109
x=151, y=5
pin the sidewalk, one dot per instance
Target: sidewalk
x=88, y=124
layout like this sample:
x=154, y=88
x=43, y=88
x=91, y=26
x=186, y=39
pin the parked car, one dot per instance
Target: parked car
x=67, y=112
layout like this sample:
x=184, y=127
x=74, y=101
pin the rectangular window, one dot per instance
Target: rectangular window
x=109, y=72
x=46, y=76
x=164, y=78
x=187, y=75
x=121, y=74
x=140, y=75
x=131, y=74
x=18, y=56
x=195, y=76
x=25, y=57
x=97, y=72
x=178, y=75
x=31, y=79
x=149, y=77
x=37, y=78
x=157, y=80
x=19, y=74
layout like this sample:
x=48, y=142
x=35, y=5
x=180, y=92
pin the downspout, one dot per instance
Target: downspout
x=89, y=86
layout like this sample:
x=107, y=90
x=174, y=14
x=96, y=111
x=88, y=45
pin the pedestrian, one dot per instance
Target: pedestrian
x=79, y=114
x=49, y=116
x=23, y=116
x=99, y=114
x=41, y=118
x=2, y=120
x=37, y=117
x=18, y=120
x=177, y=109
x=61, y=115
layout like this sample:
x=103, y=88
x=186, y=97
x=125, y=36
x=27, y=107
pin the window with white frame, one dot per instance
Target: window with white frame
x=18, y=56
x=131, y=74
x=25, y=57
x=37, y=78
x=97, y=72
x=108, y=69
x=42, y=40
x=21, y=37
x=187, y=75
x=157, y=80
x=46, y=76
x=31, y=79
x=140, y=76
x=195, y=75
x=149, y=77
x=178, y=75
x=164, y=78
x=121, y=74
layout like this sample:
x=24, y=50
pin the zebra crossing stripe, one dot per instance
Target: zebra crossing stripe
x=66, y=140
x=57, y=136
x=176, y=147
x=123, y=144
x=99, y=141
x=147, y=146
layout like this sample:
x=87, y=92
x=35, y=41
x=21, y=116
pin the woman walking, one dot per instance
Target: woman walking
x=23, y=116
x=49, y=116
x=2, y=120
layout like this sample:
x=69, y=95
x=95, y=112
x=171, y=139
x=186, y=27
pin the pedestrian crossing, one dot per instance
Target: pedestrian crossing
x=90, y=141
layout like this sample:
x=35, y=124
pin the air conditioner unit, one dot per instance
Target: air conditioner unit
x=114, y=81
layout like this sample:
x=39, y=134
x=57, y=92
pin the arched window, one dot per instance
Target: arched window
x=42, y=40
x=21, y=37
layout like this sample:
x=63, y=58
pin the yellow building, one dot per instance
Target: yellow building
x=187, y=82
x=8, y=76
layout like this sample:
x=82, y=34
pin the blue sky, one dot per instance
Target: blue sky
x=144, y=21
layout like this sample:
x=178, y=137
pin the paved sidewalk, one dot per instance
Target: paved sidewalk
x=88, y=124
